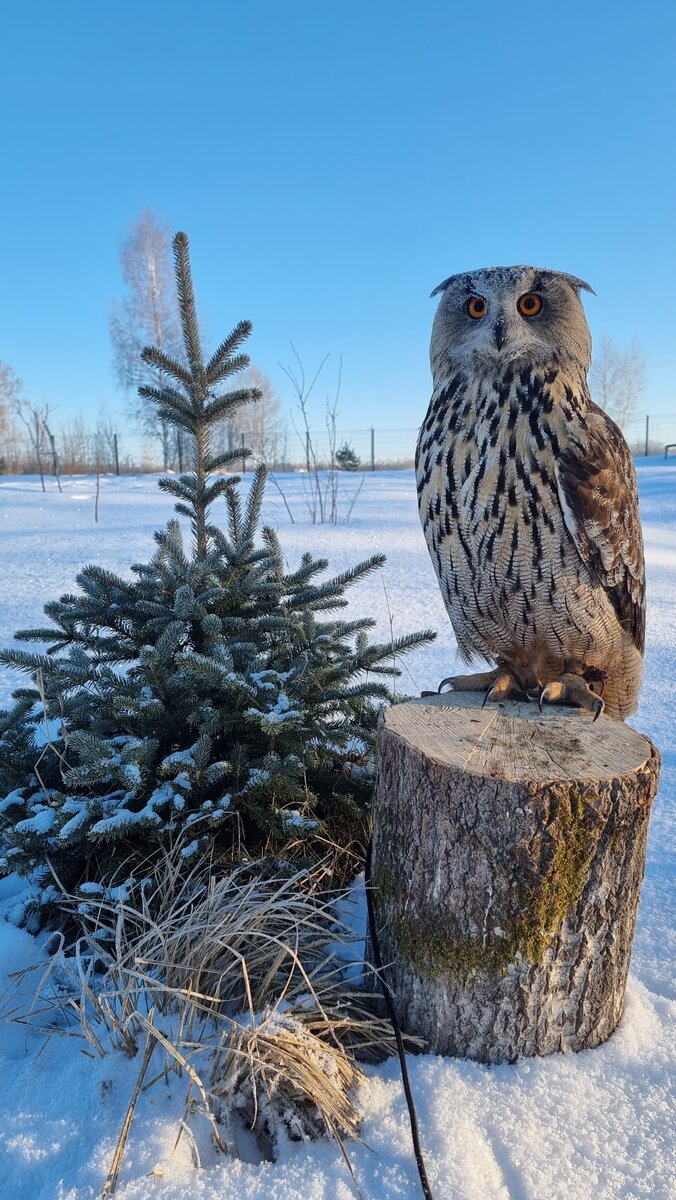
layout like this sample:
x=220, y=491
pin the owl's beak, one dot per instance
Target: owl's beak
x=499, y=333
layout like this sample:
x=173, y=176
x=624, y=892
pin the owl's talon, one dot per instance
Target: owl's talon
x=451, y=679
x=572, y=689
x=505, y=687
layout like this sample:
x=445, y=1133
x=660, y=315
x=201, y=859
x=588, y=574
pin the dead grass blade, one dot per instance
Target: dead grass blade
x=114, y=1172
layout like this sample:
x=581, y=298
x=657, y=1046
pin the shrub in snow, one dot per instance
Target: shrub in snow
x=209, y=699
x=347, y=458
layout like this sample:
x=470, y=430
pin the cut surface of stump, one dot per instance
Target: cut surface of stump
x=508, y=856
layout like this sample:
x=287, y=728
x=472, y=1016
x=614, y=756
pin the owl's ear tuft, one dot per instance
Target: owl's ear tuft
x=578, y=284
x=441, y=287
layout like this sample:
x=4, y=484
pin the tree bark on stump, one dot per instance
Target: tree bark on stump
x=508, y=855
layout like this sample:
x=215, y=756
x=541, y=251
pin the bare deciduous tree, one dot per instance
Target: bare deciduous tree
x=617, y=378
x=322, y=482
x=11, y=388
x=34, y=419
x=55, y=457
x=260, y=426
x=76, y=446
x=266, y=427
x=105, y=437
x=147, y=316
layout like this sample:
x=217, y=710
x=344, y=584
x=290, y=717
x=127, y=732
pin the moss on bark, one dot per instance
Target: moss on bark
x=438, y=949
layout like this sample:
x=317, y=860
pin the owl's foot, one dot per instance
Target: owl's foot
x=571, y=689
x=497, y=684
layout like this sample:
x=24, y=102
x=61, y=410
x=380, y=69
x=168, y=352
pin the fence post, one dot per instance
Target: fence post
x=117, y=457
x=373, y=449
x=647, y=434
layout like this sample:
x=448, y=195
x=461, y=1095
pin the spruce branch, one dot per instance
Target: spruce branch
x=226, y=350
x=254, y=503
x=172, y=417
x=171, y=401
x=216, y=462
x=219, y=488
x=229, y=402
x=155, y=357
x=186, y=305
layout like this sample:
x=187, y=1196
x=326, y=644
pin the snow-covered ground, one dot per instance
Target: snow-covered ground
x=594, y=1126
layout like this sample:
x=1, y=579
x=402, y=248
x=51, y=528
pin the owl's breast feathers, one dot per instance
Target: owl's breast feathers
x=528, y=499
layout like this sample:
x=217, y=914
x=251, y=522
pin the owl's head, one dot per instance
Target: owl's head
x=508, y=314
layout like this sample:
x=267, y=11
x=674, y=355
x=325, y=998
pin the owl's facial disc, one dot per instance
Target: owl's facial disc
x=500, y=315
x=529, y=307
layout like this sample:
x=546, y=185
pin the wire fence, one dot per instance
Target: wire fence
x=369, y=448
x=373, y=447
x=376, y=447
x=649, y=434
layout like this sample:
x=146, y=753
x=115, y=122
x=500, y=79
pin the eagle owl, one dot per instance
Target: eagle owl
x=528, y=498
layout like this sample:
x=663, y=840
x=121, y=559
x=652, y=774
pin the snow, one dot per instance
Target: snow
x=180, y=758
x=15, y=797
x=593, y=1126
x=280, y=711
x=41, y=823
x=293, y=818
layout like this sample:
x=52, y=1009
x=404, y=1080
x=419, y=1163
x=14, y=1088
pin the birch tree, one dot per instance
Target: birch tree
x=146, y=315
x=617, y=378
x=11, y=389
x=260, y=426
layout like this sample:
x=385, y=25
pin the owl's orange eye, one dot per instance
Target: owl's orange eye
x=476, y=307
x=530, y=304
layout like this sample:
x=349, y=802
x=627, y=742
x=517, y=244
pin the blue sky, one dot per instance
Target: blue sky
x=331, y=164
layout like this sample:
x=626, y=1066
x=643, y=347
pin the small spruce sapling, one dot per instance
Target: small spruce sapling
x=209, y=699
x=347, y=457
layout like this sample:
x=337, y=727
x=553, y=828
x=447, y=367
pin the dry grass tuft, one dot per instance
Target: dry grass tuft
x=230, y=983
x=285, y=1079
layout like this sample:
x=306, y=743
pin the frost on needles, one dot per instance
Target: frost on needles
x=215, y=699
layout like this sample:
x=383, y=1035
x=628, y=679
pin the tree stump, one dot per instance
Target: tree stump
x=508, y=855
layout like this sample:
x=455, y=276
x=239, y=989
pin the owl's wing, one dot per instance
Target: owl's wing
x=598, y=493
